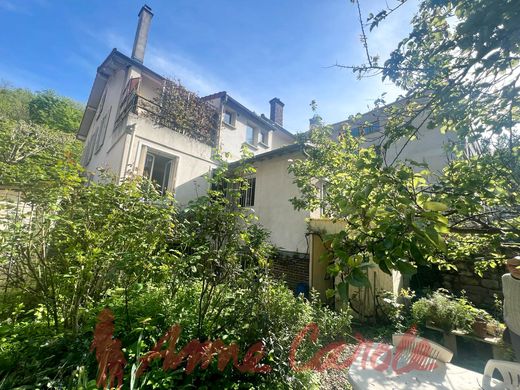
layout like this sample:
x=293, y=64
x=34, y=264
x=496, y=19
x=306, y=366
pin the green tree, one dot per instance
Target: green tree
x=460, y=70
x=33, y=144
x=48, y=109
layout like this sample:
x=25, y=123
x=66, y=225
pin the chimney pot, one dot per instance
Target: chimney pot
x=276, y=111
x=141, y=34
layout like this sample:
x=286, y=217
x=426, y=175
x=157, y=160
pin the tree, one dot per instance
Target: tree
x=48, y=109
x=33, y=144
x=460, y=69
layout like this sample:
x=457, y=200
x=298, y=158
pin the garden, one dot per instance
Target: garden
x=108, y=284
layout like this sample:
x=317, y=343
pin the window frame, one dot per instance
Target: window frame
x=253, y=135
x=232, y=117
x=263, y=134
x=170, y=175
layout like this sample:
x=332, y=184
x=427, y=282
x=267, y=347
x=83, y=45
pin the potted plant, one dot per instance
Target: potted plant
x=443, y=310
x=481, y=320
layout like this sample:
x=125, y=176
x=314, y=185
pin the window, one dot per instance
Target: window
x=229, y=118
x=101, y=104
x=247, y=197
x=159, y=170
x=364, y=129
x=250, y=135
x=102, y=131
x=264, y=137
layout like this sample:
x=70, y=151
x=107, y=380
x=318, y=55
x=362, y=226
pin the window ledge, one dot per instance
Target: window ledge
x=251, y=145
x=232, y=127
x=263, y=145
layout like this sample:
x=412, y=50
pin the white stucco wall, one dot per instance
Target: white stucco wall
x=233, y=137
x=429, y=145
x=193, y=158
x=108, y=156
x=274, y=188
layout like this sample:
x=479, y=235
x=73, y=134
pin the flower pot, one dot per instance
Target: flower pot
x=480, y=328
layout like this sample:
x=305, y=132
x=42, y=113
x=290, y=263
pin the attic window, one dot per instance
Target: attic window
x=229, y=118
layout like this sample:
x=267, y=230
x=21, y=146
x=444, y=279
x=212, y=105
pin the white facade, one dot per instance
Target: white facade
x=429, y=145
x=122, y=141
x=274, y=189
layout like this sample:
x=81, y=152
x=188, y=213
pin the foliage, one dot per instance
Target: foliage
x=396, y=310
x=459, y=68
x=48, y=109
x=127, y=247
x=34, y=146
x=70, y=253
x=389, y=220
x=447, y=312
x=179, y=109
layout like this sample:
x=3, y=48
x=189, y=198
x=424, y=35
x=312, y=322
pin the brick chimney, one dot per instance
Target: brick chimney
x=277, y=111
x=141, y=35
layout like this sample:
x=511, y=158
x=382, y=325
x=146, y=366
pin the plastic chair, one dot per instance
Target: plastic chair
x=436, y=351
x=510, y=373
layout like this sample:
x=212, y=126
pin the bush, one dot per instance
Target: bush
x=445, y=311
x=130, y=249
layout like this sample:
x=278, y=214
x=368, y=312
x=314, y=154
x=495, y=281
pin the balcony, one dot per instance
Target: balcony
x=163, y=112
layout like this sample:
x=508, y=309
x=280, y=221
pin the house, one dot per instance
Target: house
x=121, y=139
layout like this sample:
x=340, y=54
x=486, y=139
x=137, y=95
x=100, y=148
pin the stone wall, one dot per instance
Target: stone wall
x=479, y=290
x=293, y=267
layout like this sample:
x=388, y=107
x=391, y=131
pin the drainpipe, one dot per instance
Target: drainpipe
x=130, y=129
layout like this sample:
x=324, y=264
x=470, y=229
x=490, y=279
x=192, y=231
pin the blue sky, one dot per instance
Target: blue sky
x=255, y=50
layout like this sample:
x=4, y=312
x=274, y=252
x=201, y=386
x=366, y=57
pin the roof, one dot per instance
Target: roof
x=223, y=95
x=296, y=147
x=115, y=60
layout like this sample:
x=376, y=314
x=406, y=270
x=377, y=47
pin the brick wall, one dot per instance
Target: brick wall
x=292, y=267
x=479, y=290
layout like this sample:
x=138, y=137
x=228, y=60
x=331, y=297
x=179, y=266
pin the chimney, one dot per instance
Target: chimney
x=277, y=111
x=141, y=35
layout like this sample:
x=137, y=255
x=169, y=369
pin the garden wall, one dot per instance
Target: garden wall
x=479, y=290
x=293, y=267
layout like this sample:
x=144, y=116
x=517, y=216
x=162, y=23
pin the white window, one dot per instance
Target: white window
x=250, y=135
x=247, y=197
x=264, y=137
x=160, y=170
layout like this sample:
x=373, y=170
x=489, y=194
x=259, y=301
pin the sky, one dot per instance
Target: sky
x=254, y=50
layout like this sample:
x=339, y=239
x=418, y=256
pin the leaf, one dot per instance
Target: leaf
x=358, y=278
x=343, y=291
x=435, y=206
x=406, y=268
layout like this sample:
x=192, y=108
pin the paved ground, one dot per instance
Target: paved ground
x=336, y=379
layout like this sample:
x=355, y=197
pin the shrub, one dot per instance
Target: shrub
x=444, y=311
